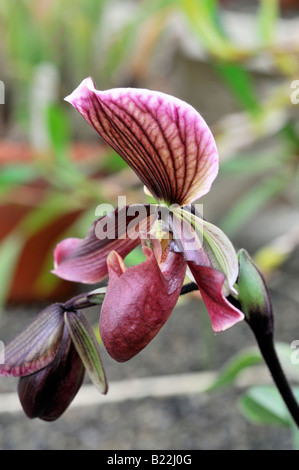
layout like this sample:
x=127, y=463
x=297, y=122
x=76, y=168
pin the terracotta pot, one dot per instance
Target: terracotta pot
x=283, y=3
x=289, y=3
x=34, y=259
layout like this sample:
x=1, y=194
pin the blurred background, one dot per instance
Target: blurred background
x=237, y=63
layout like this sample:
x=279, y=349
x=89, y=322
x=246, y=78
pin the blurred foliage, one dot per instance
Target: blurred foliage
x=116, y=42
x=60, y=32
x=261, y=404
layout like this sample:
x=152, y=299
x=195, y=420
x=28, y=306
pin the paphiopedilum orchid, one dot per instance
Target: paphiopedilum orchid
x=50, y=357
x=170, y=147
x=172, y=150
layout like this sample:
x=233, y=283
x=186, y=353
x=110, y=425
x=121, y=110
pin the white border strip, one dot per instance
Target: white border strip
x=135, y=389
x=155, y=387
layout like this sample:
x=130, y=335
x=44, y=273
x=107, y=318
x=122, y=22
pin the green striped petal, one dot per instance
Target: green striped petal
x=87, y=347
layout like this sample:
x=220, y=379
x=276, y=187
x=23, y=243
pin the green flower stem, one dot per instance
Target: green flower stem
x=86, y=300
x=265, y=340
x=267, y=348
x=78, y=303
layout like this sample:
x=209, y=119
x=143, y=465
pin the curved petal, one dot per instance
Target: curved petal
x=163, y=139
x=36, y=346
x=47, y=393
x=87, y=347
x=138, y=302
x=186, y=240
x=84, y=260
x=218, y=249
x=210, y=283
x=213, y=263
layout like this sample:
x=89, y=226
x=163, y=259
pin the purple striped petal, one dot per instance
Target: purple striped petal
x=206, y=245
x=36, y=346
x=84, y=260
x=47, y=393
x=163, y=139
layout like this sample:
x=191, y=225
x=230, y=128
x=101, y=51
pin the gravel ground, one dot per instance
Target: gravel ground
x=192, y=422
x=185, y=344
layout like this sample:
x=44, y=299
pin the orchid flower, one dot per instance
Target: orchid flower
x=50, y=357
x=172, y=150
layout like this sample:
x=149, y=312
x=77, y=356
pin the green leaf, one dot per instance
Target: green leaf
x=264, y=405
x=55, y=205
x=297, y=184
x=11, y=247
x=17, y=174
x=25, y=43
x=268, y=16
x=257, y=413
x=242, y=360
x=205, y=21
x=58, y=131
x=135, y=257
x=253, y=201
x=240, y=83
x=113, y=163
x=78, y=228
x=251, y=356
x=212, y=8
x=87, y=347
x=256, y=163
x=295, y=436
x=92, y=9
x=120, y=49
x=54, y=208
x=10, y=250
x=291, y=134
x=285, y=353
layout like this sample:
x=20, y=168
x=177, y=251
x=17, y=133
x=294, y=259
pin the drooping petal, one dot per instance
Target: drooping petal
x=47, y=393
x=163, y=139
x=138, y=302
x=222, y=254
x=85, y=260
x=210, y=283
x=36, y=346
x=87, y=347
x=187, y=240
x=212, y=261
x=217, y=247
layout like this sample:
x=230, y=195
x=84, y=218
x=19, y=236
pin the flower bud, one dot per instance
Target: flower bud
x=47, y=393
x=254, y=296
